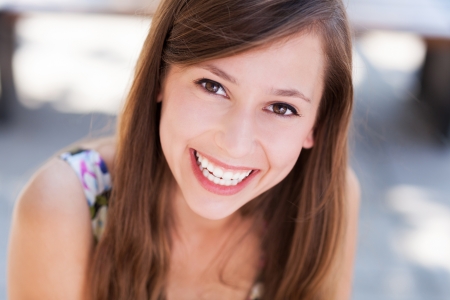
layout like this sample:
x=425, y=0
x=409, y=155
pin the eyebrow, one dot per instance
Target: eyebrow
x=222, y=74
x=290, y=93
x=276, y=92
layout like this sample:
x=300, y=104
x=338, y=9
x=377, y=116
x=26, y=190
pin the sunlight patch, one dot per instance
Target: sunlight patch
x=393, y=50
x=426, y=239
x=77, y=63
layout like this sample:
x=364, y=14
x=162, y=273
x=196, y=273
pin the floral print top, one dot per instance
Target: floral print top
x=96, y=182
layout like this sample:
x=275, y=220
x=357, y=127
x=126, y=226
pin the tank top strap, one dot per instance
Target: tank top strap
x=91, y=170
x=95, y=180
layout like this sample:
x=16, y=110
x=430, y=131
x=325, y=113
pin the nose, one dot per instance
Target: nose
x=237, y=137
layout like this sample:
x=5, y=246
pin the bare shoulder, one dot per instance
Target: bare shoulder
x=51, y=238
x=51, y=189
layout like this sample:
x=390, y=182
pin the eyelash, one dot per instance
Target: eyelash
x=203, y=81
x=293, y=111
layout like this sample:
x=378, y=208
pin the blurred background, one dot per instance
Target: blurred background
x=66, y=67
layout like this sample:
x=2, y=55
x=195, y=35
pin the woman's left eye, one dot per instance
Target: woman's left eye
x=282, y=109
x=212, y=87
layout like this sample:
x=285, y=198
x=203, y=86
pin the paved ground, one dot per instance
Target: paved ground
x=404, y=240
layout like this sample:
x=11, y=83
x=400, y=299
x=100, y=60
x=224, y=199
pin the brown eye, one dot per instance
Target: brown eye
x=282, y=109
x=279, y=109
x=212, y=87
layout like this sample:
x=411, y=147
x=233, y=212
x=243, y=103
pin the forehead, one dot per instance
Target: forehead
x=296, y=52
x=296, y=62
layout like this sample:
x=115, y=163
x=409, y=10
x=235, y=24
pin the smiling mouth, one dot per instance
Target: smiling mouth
x=219, y=175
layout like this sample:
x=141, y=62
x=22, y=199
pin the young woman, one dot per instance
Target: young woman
x=229, y=172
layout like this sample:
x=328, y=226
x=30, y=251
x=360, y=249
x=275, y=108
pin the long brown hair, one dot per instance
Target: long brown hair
x=305, y=212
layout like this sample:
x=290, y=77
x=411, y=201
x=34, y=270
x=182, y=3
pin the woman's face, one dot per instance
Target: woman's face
x=232, y=128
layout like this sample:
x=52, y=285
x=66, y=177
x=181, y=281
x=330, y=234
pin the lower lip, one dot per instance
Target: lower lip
x=216, y=188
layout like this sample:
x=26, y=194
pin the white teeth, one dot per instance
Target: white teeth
x=217, y=174
x=204, y=162
x=227, y=175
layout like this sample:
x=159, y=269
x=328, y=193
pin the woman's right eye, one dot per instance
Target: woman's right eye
x=212, y=87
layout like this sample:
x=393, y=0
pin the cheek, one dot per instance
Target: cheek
x=184, y=117
x=176, y=118
x=284, y=153
x=176, y=128
x=283, y=145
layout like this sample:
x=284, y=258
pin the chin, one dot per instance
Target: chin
x=212, y=209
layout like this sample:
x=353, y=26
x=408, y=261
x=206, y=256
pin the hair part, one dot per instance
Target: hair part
x=305, y=212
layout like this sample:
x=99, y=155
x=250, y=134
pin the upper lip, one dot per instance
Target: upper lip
x=224, y=165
